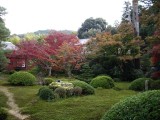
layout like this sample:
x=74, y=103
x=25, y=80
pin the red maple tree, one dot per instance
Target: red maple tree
x=58, y=51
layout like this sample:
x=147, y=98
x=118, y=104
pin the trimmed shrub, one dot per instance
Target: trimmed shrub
x=46, y=94
x=143, y=106
x=22, y=78
x=48, y=81
x=102, y=81
x=86, y=88
x=61, y=92
x=69, y=92
x=155, y=85
x=139, y=84
x=77, y=91
x=3, y=114
x=65, y=85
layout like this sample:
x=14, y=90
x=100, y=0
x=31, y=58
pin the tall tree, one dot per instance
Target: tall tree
x=150, y=18
x=91, y=27
x=112, y=54
x=4, y=32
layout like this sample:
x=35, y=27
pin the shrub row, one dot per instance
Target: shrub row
x=65, y=89
x=139, y=84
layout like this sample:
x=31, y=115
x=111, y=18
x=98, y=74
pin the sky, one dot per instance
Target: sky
x=31, y=15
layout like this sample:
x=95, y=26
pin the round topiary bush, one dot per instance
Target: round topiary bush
x=61, y=92
x=77, y=91
x=143, y=106
x=86, y=88
x=48, y=81
x=3, y=114
x=102, y=81
x=45, y=93
x=139, y=84
x=22, y=78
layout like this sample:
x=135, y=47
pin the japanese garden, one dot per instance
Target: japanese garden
x=99, y=72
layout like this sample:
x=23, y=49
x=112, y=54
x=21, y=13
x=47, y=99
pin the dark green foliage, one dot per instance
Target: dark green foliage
x=35, y=71
x=144, y=106
x=106, y=64
x=117, y=79
x=47, y=81
x=139, y=84
x=145, y=62
x=86, y=73
x=130, y=71
x=39, y=91
x=155, y=85
x=61, y=92
x=22, y=78
x=4, y=32
x=91, y=27
x=46, y=94
x=77, y=91
x=3, y=60
x=97, y=69
x=3, y=114
x=102, y=81
x=86, y=88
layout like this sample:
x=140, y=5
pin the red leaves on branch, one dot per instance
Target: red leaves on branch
x=59, y=51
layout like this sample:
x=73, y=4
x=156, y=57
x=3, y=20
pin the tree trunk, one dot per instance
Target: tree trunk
x=69, y=73
x=49, y=71
x=135, y=16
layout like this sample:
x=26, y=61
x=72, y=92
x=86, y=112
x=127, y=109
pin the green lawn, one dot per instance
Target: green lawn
x=90, y=107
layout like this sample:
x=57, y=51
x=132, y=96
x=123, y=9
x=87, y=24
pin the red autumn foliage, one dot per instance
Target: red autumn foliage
x=59, y=51
x=156, y=61
x=155, y=54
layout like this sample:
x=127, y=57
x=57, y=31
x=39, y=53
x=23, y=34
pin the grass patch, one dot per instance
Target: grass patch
x=122, y=85
x=91, y=107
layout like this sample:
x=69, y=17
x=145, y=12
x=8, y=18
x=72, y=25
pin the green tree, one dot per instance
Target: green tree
x=3, y=60
x=4, y=32
x=114, y=54
x=150, y=18
x=14, y=39
x=91, y=26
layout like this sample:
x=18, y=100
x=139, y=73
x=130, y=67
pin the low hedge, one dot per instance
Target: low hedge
x=22, y=78
x=86, y=88
x=139, y=84
x=102, y=81
x=143, y=106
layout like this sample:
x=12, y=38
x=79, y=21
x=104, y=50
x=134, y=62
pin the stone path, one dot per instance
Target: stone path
x=13, y=107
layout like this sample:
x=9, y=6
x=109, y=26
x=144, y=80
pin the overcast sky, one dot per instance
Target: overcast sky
x=32, y=15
